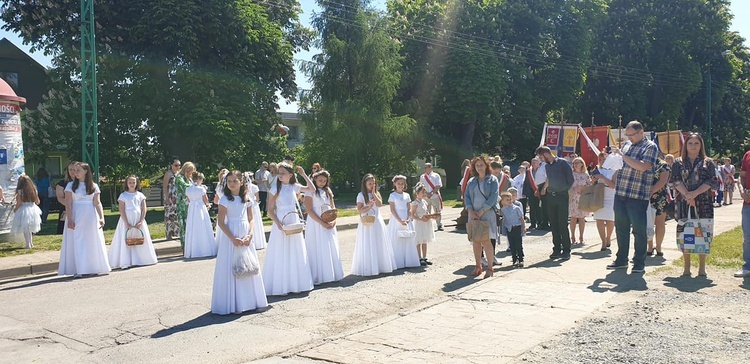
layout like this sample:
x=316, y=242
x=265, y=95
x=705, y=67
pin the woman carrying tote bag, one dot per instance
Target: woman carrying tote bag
x=480, y=199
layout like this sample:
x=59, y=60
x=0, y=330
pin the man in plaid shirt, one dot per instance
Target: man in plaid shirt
x=632, y=193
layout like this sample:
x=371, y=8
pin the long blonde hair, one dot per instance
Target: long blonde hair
x=583, y=165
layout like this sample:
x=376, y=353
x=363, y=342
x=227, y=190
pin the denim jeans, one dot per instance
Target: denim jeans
x=631, y=214
x=746, y=236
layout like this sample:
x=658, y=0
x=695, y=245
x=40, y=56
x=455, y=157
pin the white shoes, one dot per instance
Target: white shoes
x=496, y=262
x=484, y=261
x=742, y=273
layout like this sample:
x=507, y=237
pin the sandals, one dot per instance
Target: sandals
x=489, y=273
x=477, y=271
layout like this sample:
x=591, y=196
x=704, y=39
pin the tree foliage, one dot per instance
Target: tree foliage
x=349, y=124
x=198, y=79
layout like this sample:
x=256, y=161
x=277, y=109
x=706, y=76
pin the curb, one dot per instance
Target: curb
x=163, y=252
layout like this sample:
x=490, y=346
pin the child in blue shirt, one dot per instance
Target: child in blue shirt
x=513, y=227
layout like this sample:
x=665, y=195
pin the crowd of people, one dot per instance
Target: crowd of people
x=639, y=190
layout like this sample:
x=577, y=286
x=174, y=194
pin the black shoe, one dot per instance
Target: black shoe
x=616, y=265
x=565, y=256
x=659, y=254
x=532, y=226
x=422, y=262
x=650, y=254
x=427, y=261
x=507, y=250
x=440, y=228
x=555, y=255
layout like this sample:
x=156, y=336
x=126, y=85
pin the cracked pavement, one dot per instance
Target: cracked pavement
x=437, y=314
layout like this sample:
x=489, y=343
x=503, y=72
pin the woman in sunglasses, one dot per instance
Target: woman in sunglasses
x=171, y=226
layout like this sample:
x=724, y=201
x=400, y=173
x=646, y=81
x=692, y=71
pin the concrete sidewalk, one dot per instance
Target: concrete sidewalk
x=47, y=261
x=500, y=318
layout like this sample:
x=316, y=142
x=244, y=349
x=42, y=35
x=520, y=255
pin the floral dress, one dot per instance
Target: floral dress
x=693, y=174
x=171, y=227
x=659, y=199
x=580, y=180
x=182, y=183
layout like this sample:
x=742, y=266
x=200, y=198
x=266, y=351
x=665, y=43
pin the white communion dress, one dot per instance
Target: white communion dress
x=231, y=294
x=120, y=254
x=83, y=250
x=322, y=244
x=199, y=233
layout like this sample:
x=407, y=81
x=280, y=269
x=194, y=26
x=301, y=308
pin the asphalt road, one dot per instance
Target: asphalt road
x=162, y=313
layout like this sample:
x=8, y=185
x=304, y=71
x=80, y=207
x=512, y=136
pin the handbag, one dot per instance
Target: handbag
x=694, y=234
x=592, y=197
x=478, y=230
x=405, y=233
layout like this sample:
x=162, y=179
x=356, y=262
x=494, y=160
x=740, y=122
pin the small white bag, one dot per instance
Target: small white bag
x=244, y=262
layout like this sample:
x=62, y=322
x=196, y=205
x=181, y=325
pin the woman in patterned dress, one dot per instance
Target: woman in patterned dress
x=581, y=179
x=657, y=217
x=694, y=176
x=182, y=182
x=171, y=227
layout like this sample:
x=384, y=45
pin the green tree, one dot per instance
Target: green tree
x=190, y=78
x=350, y=127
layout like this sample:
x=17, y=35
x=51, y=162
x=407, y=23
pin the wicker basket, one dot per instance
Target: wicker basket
x=329, y=215
x=295, y=228
x=130, y=241
x=367, y=220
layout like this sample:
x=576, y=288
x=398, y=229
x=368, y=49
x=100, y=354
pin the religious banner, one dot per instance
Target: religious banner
x=552, y=137
x=569, y=139
x=670, y=142
x=600, y=137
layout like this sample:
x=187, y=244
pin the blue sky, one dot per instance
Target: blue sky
x=740, y=9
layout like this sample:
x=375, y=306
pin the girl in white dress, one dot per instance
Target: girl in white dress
x=235, y=228
x=27, y=216
x=404, y=248
x=220, y=185
x=199, y=233
x=83, y=251
x=373, y=253
x=321, y=238
x=286, y=268
x=259, y=238
x=133, y=210
x=423, y=226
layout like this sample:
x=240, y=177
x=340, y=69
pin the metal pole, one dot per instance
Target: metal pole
x=89, y=116
x=708, y=112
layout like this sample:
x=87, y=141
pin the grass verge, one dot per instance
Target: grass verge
x=726, y=251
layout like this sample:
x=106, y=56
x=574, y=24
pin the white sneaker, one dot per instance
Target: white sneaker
x=496, y=262
x=484, y=261
x=742, y=273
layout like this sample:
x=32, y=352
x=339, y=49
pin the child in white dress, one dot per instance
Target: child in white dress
x=27, y=216
x=400, y=227
x=132, y=204
x=259, y=238
x=373, y=253
x=423, y=226
x=235, y=228
x=286, y=268
x=321, y=238
x=83, y=251
x=199, y=233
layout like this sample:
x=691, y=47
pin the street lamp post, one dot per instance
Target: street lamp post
x=709, y=86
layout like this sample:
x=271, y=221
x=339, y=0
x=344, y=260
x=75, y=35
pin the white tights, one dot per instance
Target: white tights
x=27, y=237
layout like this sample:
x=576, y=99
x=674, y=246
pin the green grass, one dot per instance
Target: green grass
x=726, y=251
x=48, y=239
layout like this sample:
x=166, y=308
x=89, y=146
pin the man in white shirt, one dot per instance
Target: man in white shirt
x=432, y=183
x=262, y=177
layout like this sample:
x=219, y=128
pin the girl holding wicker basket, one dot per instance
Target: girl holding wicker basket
x=131, y=244
x=321, y=238
x=373, y=253
x=286, y=268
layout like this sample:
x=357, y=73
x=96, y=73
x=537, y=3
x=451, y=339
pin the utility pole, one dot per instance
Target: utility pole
x=89, y=117
x=708, y=111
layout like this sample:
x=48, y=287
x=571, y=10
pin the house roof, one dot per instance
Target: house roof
x=8, y=50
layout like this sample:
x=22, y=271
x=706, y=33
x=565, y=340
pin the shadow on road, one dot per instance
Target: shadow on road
x=206, y=319
x=619, y=281
x=464, y=280
x=39, y=282
x=688, y=284
x=594, y=255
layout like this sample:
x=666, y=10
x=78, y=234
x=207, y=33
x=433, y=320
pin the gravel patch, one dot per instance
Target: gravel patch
x=678, y=320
